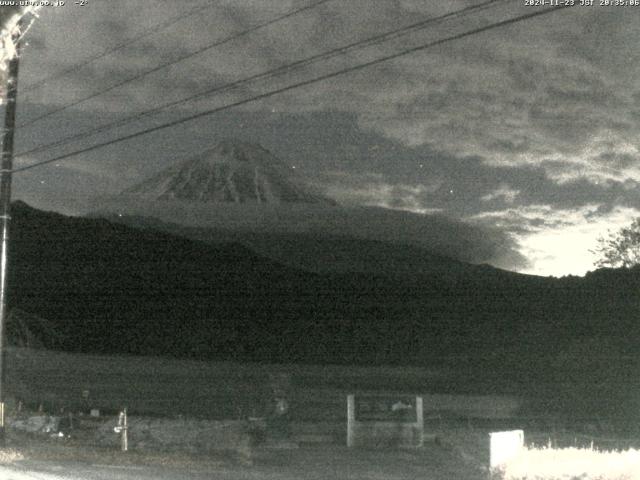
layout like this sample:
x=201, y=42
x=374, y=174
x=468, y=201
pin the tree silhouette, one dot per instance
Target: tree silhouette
x=621, y=248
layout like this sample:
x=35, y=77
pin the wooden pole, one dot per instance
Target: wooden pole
x=6, y=167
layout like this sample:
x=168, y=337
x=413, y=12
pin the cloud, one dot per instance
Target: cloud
x=526, y=95
x=507, y=127
x=373, y=190
x=502, y=192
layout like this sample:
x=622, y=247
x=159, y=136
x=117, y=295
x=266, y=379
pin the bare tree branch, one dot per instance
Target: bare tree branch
x=621, y=248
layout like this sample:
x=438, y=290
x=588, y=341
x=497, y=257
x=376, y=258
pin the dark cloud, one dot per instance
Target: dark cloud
x=438, y=234
x=36, y=43
x=617, y=160
x=7, y=13
x=112, y=27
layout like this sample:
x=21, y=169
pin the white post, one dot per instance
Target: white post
x=351, y=419
x=420, y=421
x=122, y=428
x=125, y=435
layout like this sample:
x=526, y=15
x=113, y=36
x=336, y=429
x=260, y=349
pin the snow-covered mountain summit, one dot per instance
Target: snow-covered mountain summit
x=232, y=171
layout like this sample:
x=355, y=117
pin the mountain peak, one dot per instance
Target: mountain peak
x=232, y=171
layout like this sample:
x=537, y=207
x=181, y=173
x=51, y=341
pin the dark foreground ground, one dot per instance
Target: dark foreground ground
x=460, y=456
x=452, y=452
x=325, y=463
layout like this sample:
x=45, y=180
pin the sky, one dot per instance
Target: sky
x=529, y=129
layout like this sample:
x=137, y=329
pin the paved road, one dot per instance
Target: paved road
x=31, y=470
x=328, y=463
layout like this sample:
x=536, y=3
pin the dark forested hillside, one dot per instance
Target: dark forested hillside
x=110, y=288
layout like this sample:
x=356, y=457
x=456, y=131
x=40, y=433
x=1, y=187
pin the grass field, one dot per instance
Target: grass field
x=224, y=390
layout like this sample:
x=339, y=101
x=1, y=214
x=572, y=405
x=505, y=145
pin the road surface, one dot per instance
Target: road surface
x=321, y=463
x=32, y=470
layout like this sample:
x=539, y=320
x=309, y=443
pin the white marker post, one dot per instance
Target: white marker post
x=122, y=428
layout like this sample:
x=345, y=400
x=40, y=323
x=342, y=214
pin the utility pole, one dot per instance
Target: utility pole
x=6, y=167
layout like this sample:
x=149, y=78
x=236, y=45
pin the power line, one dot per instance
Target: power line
x=217, y=43
x=376, y=39
x=317, y=79
x=98, y=56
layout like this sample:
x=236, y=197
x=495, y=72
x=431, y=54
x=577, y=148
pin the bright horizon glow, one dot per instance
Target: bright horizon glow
x=566, y=250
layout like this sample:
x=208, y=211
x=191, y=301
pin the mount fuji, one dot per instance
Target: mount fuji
x=230, y=172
